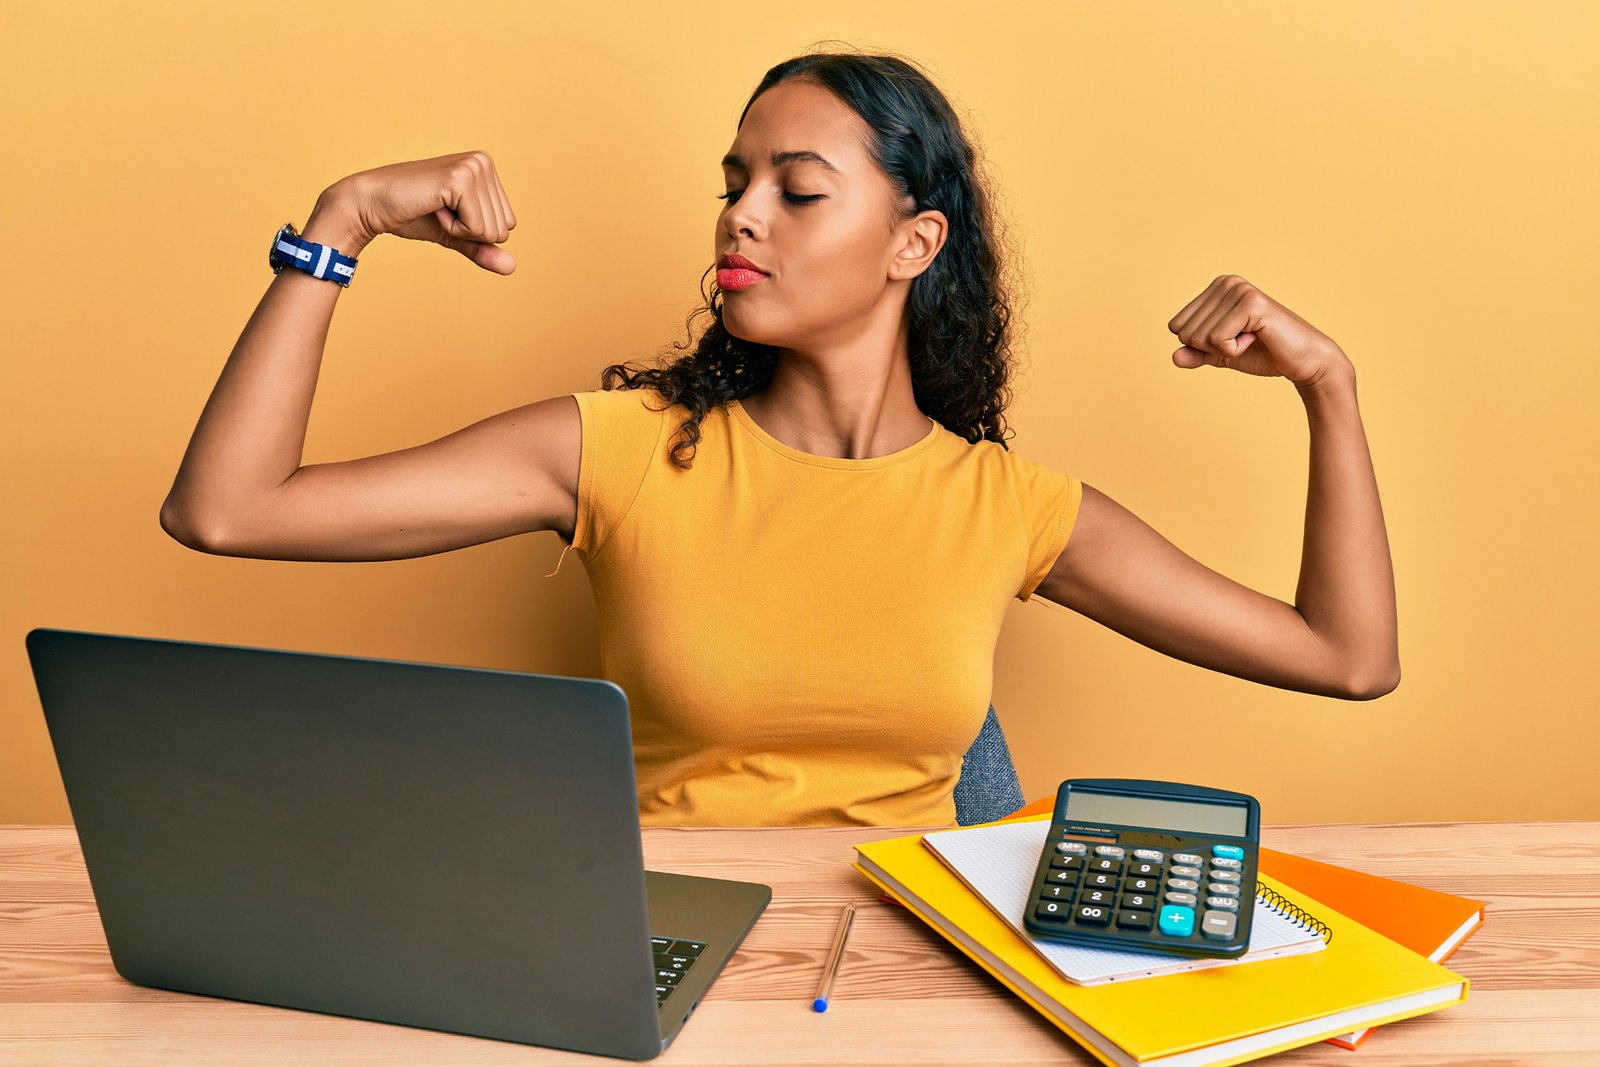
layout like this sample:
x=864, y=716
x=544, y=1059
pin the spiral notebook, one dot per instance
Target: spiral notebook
x=997, y=862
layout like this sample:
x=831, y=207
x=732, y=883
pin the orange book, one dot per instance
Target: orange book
x=1426, y=921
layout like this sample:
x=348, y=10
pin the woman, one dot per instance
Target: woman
x=803, y=535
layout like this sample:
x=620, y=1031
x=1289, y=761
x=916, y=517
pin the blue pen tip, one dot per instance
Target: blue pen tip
x=820, y=1004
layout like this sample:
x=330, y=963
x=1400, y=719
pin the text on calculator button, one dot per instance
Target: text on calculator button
x=1053, y=911
x=1095, y=915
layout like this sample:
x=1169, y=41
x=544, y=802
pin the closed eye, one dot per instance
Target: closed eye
x=732, y=196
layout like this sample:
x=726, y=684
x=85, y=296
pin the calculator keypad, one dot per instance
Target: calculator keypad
x=1162, y=898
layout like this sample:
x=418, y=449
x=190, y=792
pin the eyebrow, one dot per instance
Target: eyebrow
x=780, y=159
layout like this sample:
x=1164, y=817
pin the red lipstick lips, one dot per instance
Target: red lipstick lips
x=736, y=272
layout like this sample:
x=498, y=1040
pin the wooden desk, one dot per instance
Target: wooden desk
x=903, y=995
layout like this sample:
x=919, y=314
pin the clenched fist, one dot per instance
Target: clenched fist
x=1235, y=325
x=455, y=200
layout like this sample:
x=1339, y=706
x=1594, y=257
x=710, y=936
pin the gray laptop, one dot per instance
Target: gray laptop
x=446, y=847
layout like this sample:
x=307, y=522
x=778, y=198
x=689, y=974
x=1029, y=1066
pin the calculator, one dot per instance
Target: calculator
x=1148, y=866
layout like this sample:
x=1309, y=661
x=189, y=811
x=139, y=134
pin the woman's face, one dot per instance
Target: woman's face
x=822, y=230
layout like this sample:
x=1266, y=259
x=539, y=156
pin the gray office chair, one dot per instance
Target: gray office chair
x=988, y=788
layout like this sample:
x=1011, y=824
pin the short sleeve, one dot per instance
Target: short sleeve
x=621, y=436
x=1048, y=501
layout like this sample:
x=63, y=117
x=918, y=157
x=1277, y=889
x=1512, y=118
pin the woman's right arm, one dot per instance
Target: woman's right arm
x=241, y=489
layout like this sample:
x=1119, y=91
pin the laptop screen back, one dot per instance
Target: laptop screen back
x=449, y=847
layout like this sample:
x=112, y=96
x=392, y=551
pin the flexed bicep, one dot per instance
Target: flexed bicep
x=1121, y=573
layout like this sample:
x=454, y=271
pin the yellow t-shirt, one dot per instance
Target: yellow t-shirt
x=803, y=640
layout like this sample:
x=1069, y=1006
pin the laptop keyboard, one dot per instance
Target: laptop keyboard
x=674, y=956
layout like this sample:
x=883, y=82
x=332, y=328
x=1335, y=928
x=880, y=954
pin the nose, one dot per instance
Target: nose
x=742, y=218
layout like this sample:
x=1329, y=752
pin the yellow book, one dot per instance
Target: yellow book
x=1219, y=1016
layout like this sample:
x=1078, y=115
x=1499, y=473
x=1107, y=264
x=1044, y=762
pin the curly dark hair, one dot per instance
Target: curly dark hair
x=959, y=307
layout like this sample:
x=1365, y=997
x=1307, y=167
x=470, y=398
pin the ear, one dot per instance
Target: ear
x=921, y=239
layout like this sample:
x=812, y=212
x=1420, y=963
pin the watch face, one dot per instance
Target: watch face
x=274, y=260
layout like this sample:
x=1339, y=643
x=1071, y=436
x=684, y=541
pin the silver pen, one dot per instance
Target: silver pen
x=831, y=969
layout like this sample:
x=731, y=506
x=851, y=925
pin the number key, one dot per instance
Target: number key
x=1052, y=911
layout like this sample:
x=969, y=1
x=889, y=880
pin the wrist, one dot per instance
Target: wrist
x=1336, y=378
x=333, y=224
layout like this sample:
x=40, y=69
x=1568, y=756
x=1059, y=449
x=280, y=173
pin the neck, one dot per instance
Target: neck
x=849, y=412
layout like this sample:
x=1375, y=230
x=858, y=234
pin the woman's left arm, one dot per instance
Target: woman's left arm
x=1339, y=638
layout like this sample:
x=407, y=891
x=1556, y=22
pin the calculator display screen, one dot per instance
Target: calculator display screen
x=1184, y=815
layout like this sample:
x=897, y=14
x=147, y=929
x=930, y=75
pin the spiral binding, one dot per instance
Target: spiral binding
x=1293, y=912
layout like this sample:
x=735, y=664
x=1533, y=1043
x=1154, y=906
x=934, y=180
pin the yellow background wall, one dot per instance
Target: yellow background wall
x=1418, y=180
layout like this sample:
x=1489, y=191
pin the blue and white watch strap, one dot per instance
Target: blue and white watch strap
x=320, y=261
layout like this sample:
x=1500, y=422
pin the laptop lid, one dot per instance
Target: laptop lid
x=447, y=847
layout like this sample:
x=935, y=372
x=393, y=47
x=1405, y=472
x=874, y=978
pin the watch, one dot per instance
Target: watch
x=289, y=249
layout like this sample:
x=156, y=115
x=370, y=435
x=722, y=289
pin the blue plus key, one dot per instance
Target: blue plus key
x=1177, y=921
x=1232, y=852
